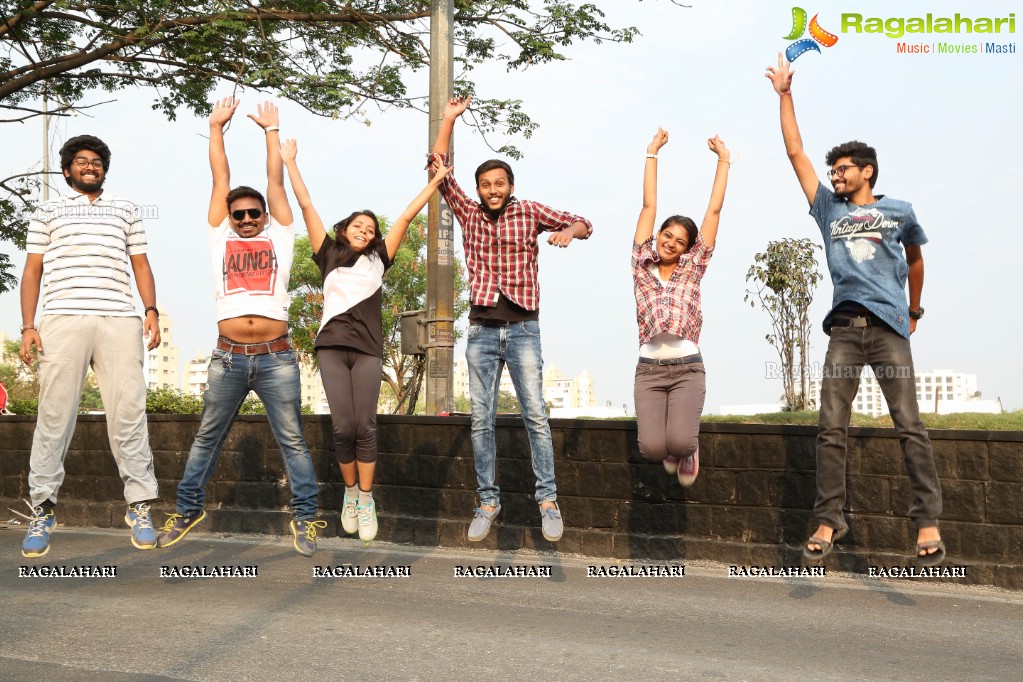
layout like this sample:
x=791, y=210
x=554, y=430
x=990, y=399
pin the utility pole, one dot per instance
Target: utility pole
x=440, y=257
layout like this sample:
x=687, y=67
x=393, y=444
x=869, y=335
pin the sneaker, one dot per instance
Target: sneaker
x=143, y=535
x=368, y=521
x=40, y=525
x=481, y=520
x=670, y=465
x=551, y=523
x=178, y=525
x=688, y=468
x=305, y=535
x=349, y=514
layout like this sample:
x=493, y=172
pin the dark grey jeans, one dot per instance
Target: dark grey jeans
x=889, y=355
x=669, y=401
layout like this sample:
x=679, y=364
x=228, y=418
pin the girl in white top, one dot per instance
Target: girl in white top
x=349, y=344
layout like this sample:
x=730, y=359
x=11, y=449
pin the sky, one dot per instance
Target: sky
x=946, y=127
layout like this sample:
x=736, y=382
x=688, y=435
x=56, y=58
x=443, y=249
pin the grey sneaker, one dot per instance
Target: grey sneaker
x=551, y=523
x=481, y=520
x=305, y=535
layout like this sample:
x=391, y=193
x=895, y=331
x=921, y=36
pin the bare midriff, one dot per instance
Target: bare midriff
x=252, y=329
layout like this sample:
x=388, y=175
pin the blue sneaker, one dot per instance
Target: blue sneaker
x=143, y=535
x=40, y=525
x=304, y=531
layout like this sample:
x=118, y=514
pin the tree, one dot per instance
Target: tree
x=404, y=289
x=784, y=277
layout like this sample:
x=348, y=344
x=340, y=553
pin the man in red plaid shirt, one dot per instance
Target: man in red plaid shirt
x=499, y=234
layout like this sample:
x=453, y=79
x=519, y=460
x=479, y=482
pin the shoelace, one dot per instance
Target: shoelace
x=169, y=523
x=350, y=507
x=143, y=520
x=552, y=512
x=365, y=512
x=36, y=522
x=311, y=526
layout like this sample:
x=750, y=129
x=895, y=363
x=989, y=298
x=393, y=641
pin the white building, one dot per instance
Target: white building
x=161, y=363
x=309, y=376
x=939, y=391
x=567, y=396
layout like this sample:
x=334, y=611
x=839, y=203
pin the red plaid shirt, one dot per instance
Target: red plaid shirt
x=672, y=306
x=501, y=256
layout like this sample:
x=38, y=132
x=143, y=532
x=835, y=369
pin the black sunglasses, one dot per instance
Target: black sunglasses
x=253, y=213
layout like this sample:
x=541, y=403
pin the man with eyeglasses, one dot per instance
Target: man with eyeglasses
x=83, y=249
x=251, y=247
x=872, y=243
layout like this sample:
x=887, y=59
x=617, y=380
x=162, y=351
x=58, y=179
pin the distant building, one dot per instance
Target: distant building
x=939, y=391
x=566, y=396
x=309, y=376
x=161, y=363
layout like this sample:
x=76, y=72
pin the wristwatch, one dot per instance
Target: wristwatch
x=917, y=314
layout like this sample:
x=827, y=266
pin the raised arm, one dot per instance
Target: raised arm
x=709, y=228
x=268, y=118
x=645, y=225
x=313, y=223
x=455, y=108
x=222, y=113
x=400, y=226
x=781, y=79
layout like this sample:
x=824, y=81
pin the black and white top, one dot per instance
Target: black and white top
x=352, y=298
x=86, y=249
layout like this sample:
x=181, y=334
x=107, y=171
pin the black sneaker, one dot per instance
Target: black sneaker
x=305, y=535
x=178, y=525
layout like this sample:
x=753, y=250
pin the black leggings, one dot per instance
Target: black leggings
x=351, y=381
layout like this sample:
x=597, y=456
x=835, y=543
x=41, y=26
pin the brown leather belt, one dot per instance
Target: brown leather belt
x=273, y=346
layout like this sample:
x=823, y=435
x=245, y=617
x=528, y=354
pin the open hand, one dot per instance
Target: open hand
x=781, y=77
x=223, y=111
x=289, y=150
x=266, y=115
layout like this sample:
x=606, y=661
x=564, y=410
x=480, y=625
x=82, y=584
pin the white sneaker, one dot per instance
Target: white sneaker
x=349, y=514
x=367, y=521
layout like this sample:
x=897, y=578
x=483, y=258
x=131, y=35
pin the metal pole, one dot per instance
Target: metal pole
x=440, y=274
x=46, y=148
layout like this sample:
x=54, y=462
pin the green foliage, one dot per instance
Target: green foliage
x=784, y=277
x=171, y=401
x=973, y=421
x=330, y=56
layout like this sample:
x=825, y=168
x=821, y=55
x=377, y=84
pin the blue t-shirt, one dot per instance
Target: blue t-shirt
x=864, y=247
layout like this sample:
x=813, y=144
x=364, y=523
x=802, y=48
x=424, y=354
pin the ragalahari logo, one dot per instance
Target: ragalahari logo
x=817, y=35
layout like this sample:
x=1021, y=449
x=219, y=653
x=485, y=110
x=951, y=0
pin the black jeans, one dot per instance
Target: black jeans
x=889, y=355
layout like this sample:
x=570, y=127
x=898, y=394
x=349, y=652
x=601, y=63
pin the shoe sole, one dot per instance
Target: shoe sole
x=550, y=538
x=36, y=556
x=481, y=537
x=160, y=543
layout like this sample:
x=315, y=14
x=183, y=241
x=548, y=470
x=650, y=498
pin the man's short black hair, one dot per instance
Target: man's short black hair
x=494, y=164
x=862, y=155
x=243, y=192
x=76, y=144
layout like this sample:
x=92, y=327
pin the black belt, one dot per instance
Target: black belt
x=671, y=361
x=855, y=322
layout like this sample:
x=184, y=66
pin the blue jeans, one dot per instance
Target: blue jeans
x=487, y=351
x=889, y=355
x=275, y=379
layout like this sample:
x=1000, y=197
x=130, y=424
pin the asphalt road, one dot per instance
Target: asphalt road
x=286, y=624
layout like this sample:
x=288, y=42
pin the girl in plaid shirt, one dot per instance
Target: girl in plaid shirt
x=666, y=270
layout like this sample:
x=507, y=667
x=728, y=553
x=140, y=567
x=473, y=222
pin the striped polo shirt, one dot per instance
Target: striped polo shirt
x=86, y=248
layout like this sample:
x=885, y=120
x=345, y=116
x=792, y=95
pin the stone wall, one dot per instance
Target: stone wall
x=750, y=506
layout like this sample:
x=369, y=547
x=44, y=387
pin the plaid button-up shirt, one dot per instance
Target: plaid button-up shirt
x=672, y=306
x=501, y=256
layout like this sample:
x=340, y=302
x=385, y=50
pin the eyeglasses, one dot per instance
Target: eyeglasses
x=840, y=170
x=83, y=162
x=254, y=213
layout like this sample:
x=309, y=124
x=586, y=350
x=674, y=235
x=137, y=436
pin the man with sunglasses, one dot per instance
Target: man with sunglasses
x=872, y=243
x=251, y=249
x=83, y=249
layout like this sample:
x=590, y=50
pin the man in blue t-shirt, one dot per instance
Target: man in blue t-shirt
x=872, y=243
